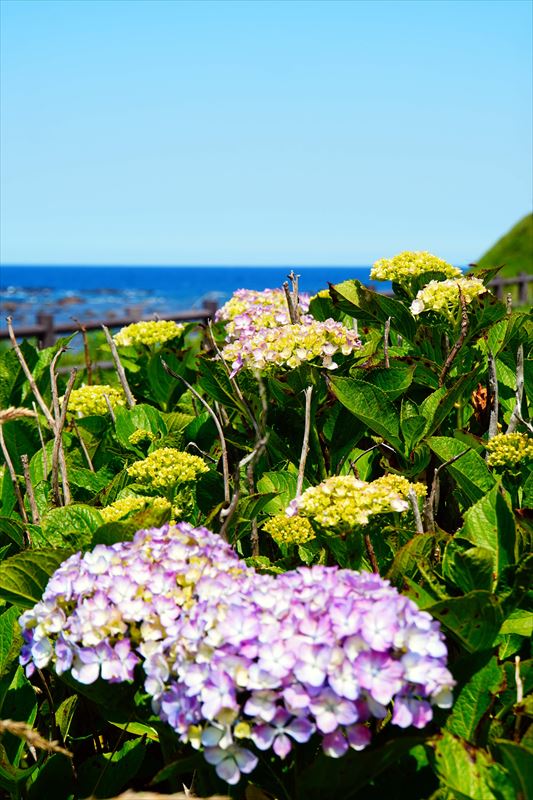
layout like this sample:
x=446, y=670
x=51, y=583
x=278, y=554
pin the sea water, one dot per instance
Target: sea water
x=104, y=292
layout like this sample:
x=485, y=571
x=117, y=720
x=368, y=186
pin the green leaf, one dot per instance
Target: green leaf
x=466, y=771
x=11, y=777
x=490, y=524
x=93, y=482
x=354, y=772
x=10, y=638
x=23, y=577
x=518, y=763
x=413, y=429
x=394, y=381
x=284, y=484
x=79, y=519
x=474, y=700
x=13, y=530
x=520, y=622
x=252, y=505
x=474, y=620
x=65, y=714
x=468, y=568
x=371, y=406
x=370, y=307
x=55, y=779
x=140, y=417
x=20, y=704
x=470, y=471
x=438, y=406
x=112, y=771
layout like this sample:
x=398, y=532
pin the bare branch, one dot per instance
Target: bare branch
x=110, y=408
x=29, y=490
x=460, y=341
x=493, y=398
x=53, y=385
x=305, y=444
x=515, y=416
x=295, y=294
x=431, y=502
x=26, y=370
x=233, y=381
x=58, y=455
x=371, y=553
x=43, y=448
x=413, y=499
x=223, y=447
x=130, y=400
x=13, y=475
x=86, y=351
x=293, y=313
x=386, y=334
x=25, y=732
x=83, y=446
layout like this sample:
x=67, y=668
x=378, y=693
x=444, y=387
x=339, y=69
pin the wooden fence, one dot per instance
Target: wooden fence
x=45, y=329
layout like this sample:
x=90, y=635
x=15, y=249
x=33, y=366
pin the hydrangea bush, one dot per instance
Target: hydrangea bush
x=343, y=607
x=231, y=656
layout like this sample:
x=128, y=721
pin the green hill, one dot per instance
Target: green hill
x=514, y=250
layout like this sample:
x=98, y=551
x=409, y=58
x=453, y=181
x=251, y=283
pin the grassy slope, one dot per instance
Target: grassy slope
x=514, y=250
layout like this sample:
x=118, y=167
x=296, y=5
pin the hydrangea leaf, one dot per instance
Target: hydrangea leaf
x=474, y=700
x=468, y=772
x=470, y=471
x=474, y=620
x=24, y=576
x=371, y=405
x=490, y=524
x=10, y=638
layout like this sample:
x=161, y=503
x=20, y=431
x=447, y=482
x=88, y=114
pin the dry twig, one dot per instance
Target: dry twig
x=515, y=416
x=305, y=443
x=31, y=736
x=130, y=400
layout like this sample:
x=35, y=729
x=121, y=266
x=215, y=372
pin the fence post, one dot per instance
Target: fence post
x=47, y=337
x=210, y=306
x=522, y=288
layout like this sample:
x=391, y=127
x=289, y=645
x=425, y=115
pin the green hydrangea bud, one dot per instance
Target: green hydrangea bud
x=89, y=400
x=167, y=467
x=509, y=450
x=289, y=530
x=150, y=333
x=405, y=266
x=129, y=506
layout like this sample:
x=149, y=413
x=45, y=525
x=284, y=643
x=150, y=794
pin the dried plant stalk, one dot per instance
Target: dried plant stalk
x=31, y=736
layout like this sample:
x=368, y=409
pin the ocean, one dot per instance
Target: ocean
x=98, y=292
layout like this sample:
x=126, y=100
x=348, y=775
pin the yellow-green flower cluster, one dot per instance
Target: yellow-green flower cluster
x=167, y=467
x=510, y=450
x=90, y=400
x=289, y=530
x=342, y=502
x=292, y=345
x=405, y=266
x=129, y=506
x=141, y=435
x=149, y=333
x=443, y=296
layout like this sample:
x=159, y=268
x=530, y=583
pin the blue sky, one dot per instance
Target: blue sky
x=262, y=132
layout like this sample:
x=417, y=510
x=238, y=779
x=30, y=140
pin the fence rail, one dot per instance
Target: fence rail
x=522, y=281
x=45, y=329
